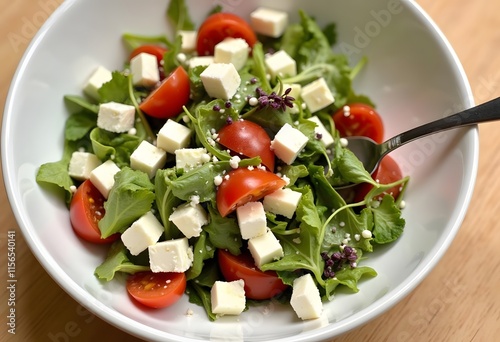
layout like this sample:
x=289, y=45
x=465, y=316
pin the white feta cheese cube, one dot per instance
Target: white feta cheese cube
x=190, y=158
x=228, y=298
x=221, y=80
x=189, y=218
x=173, y=136
x=306, y=299
x=103, y=177
x=317, y=95
x=232, y=50
x=251, y=220
x=282, y=202
x=281, y=64
x=265, y=248
x=200, y=61
x=100, y=76
x=144, y=69
x=143, y=233
x=148, y=158
x=188, y=40
x=321, y=131
x=81, y=164
x=170, y=256
x=269, y=22
x=116, y=117
x=288, y=143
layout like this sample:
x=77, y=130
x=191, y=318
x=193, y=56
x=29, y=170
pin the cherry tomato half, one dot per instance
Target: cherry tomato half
x=258, y=285
x=219, y=26
x=167, y=100
x=360, y=120
x=156, y=290
x=387, y=172
x=243, y=185
x=155, y=50
x=85, y=211
x=249, y=139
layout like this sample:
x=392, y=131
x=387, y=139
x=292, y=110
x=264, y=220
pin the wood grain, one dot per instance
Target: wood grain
x=458, y=301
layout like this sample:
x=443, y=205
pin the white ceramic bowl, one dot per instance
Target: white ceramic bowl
x=413, y=76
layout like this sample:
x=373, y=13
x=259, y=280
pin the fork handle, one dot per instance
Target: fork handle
x=488, y=111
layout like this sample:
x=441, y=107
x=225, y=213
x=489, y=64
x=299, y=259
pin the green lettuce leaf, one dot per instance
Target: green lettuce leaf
x=130, y=197
x=117, y=261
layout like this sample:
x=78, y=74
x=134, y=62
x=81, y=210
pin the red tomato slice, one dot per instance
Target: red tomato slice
x=362, y=120
x=85, y=211
x=387, y=172
x=155, y=50
x=219, y=26
x=249, y=139
x=156, y=290
x=258, y=285
x=167, y=100
x=243, y=186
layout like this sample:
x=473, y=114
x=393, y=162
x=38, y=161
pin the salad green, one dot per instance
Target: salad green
x=324, y=222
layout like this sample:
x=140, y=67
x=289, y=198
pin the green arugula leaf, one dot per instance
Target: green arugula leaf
x=130, y=197
x=78, y=125
x=388, y=223
x=301, y=250
x=178, y=14
x=348, y=277
x=115, y=90
x=117, y=261
x=56, y=173
x=106, y=144
x=200, y=295
x=166, y=201
x=351, y=168
x=78, y=103
x=223, y=232
x=202, y=250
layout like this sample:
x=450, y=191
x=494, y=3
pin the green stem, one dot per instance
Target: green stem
x=151, y=135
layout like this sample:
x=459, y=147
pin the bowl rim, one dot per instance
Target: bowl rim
x=138, y=329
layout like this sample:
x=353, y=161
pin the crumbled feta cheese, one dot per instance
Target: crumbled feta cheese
x=148, y=158
x=81, y=165
x=170, y=256
x=366, y=234
x=221, y=80
x=100, y=76
x=251, y=220
x=288, y=143
x=103, y=177
x=228, y=298
x=143, y=233
x=116, y=117
x=189, y=218
x=317, y=95
x=269, y=22
x=306, y=299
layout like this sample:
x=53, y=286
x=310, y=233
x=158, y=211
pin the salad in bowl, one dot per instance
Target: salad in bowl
x=210, y=164
x=185, y=175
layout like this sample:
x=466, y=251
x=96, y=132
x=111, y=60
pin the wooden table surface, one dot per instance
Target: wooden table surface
x=458, y=301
